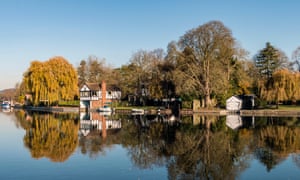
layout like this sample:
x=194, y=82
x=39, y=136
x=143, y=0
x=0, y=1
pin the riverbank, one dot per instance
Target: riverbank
x=53, y=109
x=256, y=112
x=217, y=112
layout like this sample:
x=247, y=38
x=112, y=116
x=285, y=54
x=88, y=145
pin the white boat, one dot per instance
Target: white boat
x=105, y=109
x=5, y=105
x=137, y=111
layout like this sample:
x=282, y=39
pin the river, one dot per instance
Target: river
x=103, y=146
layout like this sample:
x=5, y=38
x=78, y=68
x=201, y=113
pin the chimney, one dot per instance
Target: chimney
x=103, y=92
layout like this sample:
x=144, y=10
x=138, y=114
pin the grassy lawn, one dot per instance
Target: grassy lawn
x=289, y=107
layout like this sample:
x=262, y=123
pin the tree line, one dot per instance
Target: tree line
x=206, y=63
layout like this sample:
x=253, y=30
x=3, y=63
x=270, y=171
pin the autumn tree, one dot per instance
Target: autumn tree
x=207, y=54
x=95, y=70
x=268, y=61
x=243, y=77
x=148, y=72
x=51, y=81
x=284, y=86
x=82, y=71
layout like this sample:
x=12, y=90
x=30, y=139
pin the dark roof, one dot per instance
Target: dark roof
x=93, y=86
x=113, y=88
x=97, y=87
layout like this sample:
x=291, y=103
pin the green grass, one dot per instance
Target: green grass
x=289, y=107
x=69, y=103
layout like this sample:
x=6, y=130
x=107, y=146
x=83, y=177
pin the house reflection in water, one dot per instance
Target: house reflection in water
x=99, y=123
x=235, y=121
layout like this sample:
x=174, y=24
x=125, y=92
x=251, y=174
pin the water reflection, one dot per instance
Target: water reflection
x=189, y=147
x=273, y=139
x=98, y=123
x=97, y=132
x=54, y=136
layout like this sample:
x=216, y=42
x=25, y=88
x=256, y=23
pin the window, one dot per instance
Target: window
x=93, y=93
x=84, y=94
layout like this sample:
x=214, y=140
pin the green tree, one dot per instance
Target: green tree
x=128, y=79
x=268, y=60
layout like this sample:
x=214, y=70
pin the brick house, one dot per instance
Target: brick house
x=94, y=95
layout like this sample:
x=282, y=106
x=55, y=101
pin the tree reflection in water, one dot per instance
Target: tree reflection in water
x=192, y=147
x=54, y=136
x=204, y=147
x=276, y=141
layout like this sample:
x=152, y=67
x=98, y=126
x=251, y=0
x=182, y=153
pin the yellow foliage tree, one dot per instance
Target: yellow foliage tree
x=283, y=86
x=51, y=81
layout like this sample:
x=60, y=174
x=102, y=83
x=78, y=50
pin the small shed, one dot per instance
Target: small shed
x=234, y=103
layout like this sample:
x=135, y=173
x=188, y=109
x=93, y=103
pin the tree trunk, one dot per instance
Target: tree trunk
x=207, y=99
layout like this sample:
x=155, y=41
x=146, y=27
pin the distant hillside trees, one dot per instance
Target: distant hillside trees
x=51, y=81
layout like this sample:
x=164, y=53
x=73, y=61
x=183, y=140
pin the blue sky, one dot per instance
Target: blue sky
x=115, y=29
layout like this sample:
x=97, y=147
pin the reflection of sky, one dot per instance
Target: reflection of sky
x=12, y=147
x=9, y=133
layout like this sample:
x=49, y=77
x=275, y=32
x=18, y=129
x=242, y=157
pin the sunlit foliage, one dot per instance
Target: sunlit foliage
x=205, y=61
x=282, y=86
x=51, y=81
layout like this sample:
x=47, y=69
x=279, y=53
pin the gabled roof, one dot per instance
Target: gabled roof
x=90, y=87
x=93, y=86
x=233, y=103
x=98, y=87
x=233, y=99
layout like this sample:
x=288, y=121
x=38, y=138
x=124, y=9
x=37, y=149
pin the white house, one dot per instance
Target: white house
x=234, y=103
x=94, y=95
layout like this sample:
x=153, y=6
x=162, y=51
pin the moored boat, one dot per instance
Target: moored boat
x=137, y=111
x=5, y=105
x=105, y=109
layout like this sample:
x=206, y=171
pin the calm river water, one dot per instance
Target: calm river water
x=97, y=146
